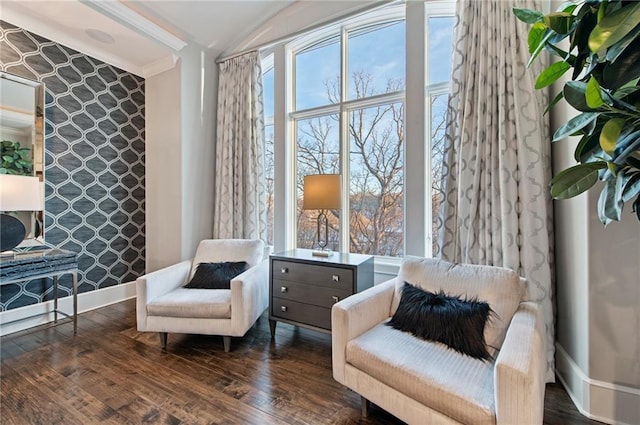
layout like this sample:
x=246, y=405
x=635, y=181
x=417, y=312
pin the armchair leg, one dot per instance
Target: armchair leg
x=226, y=340
x=364, y=406
x=163, y=340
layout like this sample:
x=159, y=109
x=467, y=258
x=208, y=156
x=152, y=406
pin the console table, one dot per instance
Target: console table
x=38, y=264
x=303, y=287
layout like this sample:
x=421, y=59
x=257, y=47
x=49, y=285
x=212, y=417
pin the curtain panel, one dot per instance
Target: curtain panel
x=496, y=207
x=240, y=210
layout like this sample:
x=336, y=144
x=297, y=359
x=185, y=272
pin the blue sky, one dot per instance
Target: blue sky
x=380, y=53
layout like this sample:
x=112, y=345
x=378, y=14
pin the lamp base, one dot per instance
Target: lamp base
x=12, y=232
x=325, y=254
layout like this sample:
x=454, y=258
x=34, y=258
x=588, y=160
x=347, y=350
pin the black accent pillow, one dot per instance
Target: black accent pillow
x=216, y=275
x=447, y=319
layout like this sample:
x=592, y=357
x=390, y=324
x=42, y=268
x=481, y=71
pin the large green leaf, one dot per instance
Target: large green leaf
x=610, y=202
x=540, y=47
x=588, y=146
x=536, y=36
x=610, y=133
x=575, y=124
x=592, y=95
x=551, y=74
x=527, y=15
x=614, y=27
x=575, y=94
x=575, y=180
x=614, y=51
x=560, y=22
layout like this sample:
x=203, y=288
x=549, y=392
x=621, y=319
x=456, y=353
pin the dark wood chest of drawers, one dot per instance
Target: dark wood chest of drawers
x=303, y=287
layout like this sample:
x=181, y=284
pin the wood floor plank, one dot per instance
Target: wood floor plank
x=25, y=401
x=111, y=373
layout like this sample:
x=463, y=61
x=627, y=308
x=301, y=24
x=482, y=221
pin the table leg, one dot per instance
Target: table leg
x=55, y=299
x=75, y=302
x=272, y=328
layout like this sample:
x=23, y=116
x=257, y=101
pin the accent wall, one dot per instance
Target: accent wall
x=94, y=163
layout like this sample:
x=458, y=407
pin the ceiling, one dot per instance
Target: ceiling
x=141, y=36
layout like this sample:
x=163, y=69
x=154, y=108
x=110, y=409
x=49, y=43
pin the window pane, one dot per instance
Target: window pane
x=376, y=59
x=318, y=152
x=438, y=121
x=439, y=44
x=267, y=95
x=269, y=179
x=318, y=75
x=376, y=180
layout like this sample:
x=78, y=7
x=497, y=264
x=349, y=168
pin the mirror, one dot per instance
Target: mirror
x=22, y=138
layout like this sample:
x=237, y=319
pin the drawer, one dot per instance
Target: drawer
x=333, y=277
x=301, y=313
x=310, y=294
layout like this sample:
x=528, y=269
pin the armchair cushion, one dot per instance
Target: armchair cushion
x=457, y=323
x=456, y=385
x=192, y=303
x=221, y=250
x=501, y=288
x=216, y=275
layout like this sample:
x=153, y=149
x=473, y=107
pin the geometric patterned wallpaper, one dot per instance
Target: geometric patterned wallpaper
x=94, y=163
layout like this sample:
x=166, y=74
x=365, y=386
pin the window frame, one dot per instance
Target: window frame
x=417, y=159
x=344, y=107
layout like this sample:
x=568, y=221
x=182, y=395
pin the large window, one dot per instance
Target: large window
x=342, y=103
x=348, y=118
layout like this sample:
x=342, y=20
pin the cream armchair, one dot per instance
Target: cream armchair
x=163, y=305
x=423, y=382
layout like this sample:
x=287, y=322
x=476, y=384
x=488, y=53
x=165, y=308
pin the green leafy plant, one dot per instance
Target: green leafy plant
x=15, y=159
x=602, y=40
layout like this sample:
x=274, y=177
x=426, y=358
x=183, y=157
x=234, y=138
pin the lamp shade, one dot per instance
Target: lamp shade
x=20, y=193
x=321, y=192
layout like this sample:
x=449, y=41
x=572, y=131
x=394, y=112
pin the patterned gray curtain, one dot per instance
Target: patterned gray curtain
x=496, y=208
x=239, y=185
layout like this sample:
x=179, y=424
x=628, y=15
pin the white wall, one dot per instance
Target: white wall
x=598, y=299
x=199, y=85
x=163, y=157
x=180, y=125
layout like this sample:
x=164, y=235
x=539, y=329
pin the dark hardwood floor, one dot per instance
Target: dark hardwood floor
x=110, y=373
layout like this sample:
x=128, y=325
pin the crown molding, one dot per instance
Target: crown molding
x=43, y=29
x=164, y=64
x=137, y=22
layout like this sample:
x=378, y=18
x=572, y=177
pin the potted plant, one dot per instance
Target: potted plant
x=15, y=159
x=603, y=55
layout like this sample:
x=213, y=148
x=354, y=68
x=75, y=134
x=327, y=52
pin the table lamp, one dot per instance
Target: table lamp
x=17, y=193
x=322, y=192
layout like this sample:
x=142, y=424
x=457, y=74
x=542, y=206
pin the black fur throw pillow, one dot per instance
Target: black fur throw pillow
x=216, y=275
x=438, y=317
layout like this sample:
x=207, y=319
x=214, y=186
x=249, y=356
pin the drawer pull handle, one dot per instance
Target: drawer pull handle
x=283, y=289
x=335, y=298
x=335, y=278
x=284, y=270
x=283, y=308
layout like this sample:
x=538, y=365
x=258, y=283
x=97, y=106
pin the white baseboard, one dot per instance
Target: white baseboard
x=598, y=400
x=44, y=311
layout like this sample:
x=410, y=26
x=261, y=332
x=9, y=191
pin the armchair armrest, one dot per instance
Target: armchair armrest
x=155, y=284
x=520, y=369
x=249, y=297
x=355, y=315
